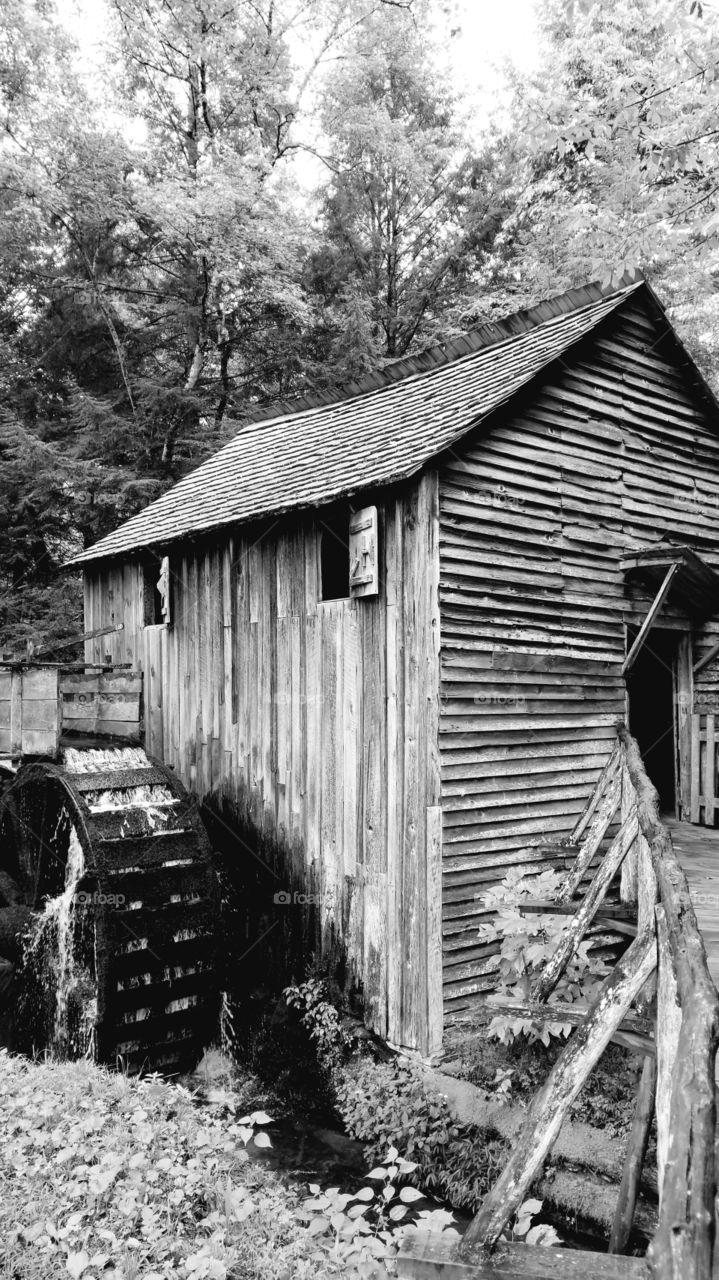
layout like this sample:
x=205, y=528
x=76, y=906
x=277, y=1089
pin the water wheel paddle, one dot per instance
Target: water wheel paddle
x=108, y=850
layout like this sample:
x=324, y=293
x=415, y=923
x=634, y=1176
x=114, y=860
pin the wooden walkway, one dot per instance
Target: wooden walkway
x=697, y=849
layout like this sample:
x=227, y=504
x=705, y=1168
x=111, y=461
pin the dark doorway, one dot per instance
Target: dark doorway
x=651, y=684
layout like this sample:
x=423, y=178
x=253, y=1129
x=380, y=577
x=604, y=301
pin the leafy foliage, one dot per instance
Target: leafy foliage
x=387, y=1104
x=161, y=273
x=321, y=1019
x=118, y=1177
x=617, y=130
x=410, y=212
x=526, y=943
x=360, y=1229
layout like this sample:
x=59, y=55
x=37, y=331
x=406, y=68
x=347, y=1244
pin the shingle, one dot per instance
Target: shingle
x=373, y=437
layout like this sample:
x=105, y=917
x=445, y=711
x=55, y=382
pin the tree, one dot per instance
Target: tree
x=620, y=152
x=409, y=212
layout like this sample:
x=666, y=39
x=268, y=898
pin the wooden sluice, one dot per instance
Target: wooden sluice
x=665, y=974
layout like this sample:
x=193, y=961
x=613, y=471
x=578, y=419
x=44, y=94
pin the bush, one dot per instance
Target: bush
x=322, y=1021
x=526, y=943
x=388, y=1105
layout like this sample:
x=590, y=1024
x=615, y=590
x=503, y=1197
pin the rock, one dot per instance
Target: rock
x=14, y=921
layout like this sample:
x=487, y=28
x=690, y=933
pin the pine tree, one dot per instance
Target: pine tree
x=410, y=215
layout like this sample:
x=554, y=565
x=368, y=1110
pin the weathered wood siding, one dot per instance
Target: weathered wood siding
x=319, y=721
x=611, y=453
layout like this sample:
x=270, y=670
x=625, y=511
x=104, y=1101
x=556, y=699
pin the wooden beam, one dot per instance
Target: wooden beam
x=553, y=970
x=611, y=917
x=563, y=1084
x=67, y=644
x=429, y=1255
x=636, y=1151
x=605, y=778
x=634, y=1033
x=616, y=911
x=653, y=614
x=608, y=795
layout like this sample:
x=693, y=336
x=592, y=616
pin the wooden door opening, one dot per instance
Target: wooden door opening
x=654, y=699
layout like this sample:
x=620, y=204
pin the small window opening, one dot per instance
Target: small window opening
x=335, y=554
x=156, y=591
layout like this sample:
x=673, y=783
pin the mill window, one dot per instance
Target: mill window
x=335, y=554
x=157, y=591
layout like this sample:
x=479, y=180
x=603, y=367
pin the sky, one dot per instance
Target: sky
x=493, y=32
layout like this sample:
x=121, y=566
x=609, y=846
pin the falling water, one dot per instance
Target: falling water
x=61, y=950
x=51, y=952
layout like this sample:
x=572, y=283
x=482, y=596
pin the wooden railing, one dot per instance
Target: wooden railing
x=665, y=972
x=687, y=1029
x=704, y=798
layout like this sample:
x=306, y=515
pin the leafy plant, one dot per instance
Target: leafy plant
x=526, y=943
x=501, y=1086
x=360, y=1229
x=321, y=1019
x=388, y=1105
x=521, y=1226
x=114, y=1177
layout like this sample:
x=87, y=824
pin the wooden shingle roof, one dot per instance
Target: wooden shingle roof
x=375, y=433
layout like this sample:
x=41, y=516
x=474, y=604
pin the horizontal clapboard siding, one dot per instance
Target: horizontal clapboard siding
x=611, y=453
x=318, y=721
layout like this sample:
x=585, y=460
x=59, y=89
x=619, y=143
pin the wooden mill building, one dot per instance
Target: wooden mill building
x=393, y=624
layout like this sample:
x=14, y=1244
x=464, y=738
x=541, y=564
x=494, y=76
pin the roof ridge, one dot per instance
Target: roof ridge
x=489, y=334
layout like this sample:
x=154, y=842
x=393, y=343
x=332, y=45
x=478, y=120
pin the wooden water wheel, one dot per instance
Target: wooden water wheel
x=109, y=852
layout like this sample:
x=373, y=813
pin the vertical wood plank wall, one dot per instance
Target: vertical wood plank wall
x=319, y=720
x=610, y=455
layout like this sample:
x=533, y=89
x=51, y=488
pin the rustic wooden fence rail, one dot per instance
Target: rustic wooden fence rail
x=704, y=769
x=664, y=971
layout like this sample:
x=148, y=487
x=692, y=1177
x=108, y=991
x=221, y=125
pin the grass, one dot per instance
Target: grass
x=110, y=1178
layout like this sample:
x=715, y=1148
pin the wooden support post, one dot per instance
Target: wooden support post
x=553, y=970
x=16, y=713
x=434, y=929
x=695, y=781
x=669, y=1021
x=683, y=720
x=636, y=1151
x=710, y=771
x=552, y=1102
x=653, y=614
